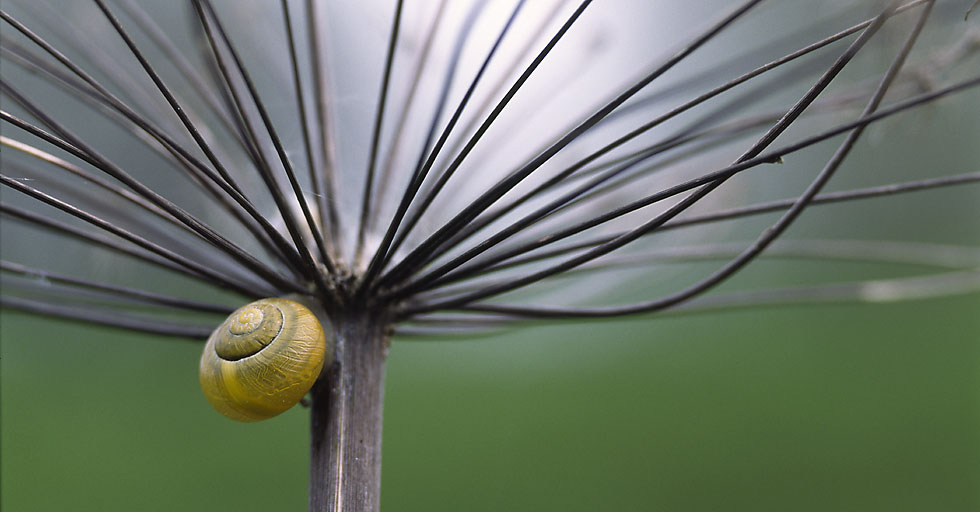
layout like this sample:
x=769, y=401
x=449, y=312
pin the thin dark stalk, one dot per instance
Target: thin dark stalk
x=245, y=213
x=714, y=73
x=428, y=153
x=500, y=85
x=462, y=325
x=425, y=163
x=171, y=99
x=876, y=291
x=308, y=268
x=464, y=332
x=376, y=137
x=86, y=298
x=861, y=251
x=324, y=245
x=138, y=201
x=735, y=213
x=121, y=291
x=484, y=220
x=245, y=286
x=865, y=251
x=770, y=234
x=226, y=182
x=384, y=180
x=120, y=213
x=562, y=202
x=109, y=318
x=326, y=165
x=94, y=239
x=119, y=76
x=767, y=157
x=81, y=150
x=812, y=190
x=791, y=115
x=389, y=244
x=122, y=233
x=184, y=67
x=831, y=197
x=705, y=139
x=579, y=169
x=423, y=253
x=292, y=223
x=491, y=117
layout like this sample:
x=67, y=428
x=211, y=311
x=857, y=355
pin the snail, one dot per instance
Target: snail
x=263, y=359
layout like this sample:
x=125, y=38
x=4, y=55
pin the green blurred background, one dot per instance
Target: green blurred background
x=827, y=408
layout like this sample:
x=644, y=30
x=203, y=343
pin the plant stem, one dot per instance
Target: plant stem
x=345, y=444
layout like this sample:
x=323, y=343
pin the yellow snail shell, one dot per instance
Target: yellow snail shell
x=263, y=359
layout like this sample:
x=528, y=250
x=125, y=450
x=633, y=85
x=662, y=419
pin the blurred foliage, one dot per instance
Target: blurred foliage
x=828, y=408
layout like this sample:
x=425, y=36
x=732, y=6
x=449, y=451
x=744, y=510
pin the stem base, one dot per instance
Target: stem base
x=345, y=444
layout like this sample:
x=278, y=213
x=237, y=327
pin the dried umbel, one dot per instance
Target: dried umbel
x=443, y=169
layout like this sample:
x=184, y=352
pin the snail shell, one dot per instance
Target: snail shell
x=263, y=359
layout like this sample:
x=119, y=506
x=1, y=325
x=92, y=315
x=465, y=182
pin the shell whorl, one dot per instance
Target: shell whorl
x=263, y=359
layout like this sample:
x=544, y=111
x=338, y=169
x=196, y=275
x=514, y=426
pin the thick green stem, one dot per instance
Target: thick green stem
x=345, y=445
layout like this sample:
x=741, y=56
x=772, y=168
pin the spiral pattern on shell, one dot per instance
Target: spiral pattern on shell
x=263, y=359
